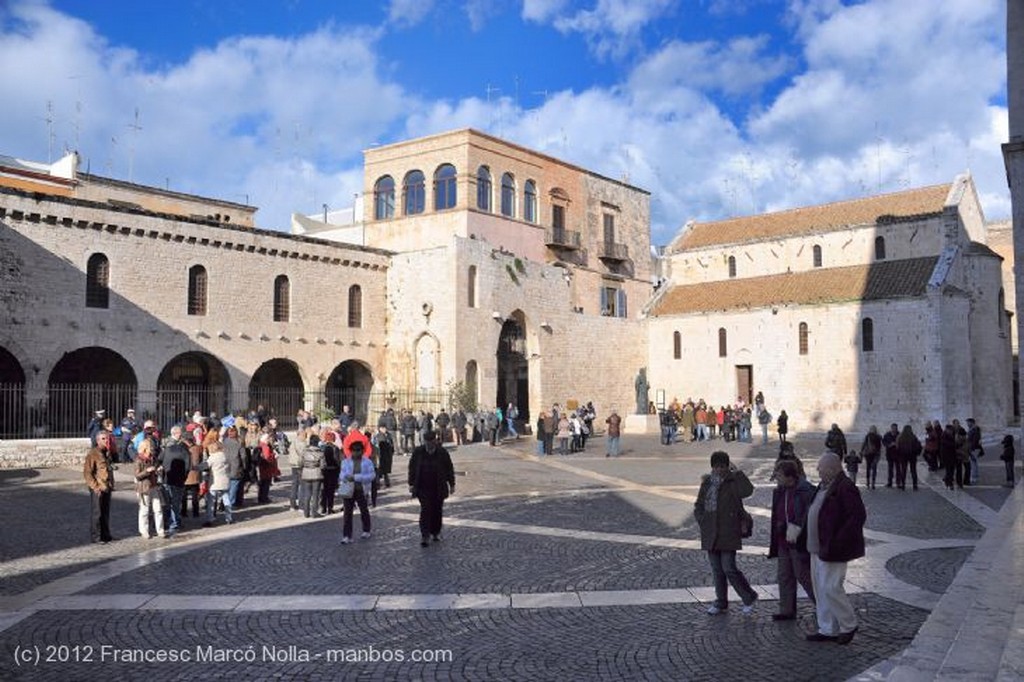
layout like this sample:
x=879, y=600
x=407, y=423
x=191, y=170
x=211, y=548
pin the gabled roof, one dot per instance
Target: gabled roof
x=912, y=204
x=870, y=282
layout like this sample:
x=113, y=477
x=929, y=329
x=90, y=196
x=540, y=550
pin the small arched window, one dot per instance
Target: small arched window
x=803, y=338
x=530, y=202
x=867, y=335
x=282, y=299
x=413, y=193
x=384, y=198
x=483, y=189
x=471, y=287
x=723, y=348
x=732, y=266
x=197, y=290
x=97, y=282
x=677, y=345
x=355, y=306
x=879, y=248
x=817, y=256
x=508, y=195
x=444, y=187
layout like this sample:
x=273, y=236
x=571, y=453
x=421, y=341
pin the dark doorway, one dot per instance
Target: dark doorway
x=513, y=372
x=350, y=384
x=191, y=382
x=86, y=380
x=277, y=385
x=12, y=396
x=745, y=383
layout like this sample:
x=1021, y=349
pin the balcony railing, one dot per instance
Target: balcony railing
x=612, y=251
x=561, y=238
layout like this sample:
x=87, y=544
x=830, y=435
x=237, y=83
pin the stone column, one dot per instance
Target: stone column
x=1013, y=151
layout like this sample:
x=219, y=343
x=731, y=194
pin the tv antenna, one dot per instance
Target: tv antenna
x=135, y=128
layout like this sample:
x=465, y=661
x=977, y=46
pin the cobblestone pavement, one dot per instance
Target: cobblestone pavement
x=577, y=567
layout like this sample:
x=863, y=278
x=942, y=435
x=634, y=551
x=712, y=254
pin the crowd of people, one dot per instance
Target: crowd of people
x=214, y=462
x=571, y=427
x=695, y=420
x=953, y=449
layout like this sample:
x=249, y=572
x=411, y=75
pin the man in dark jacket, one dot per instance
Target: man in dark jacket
x=431, y=480
x=835, y=536
x=790, y=502
x=718, y=511
x=889, y=443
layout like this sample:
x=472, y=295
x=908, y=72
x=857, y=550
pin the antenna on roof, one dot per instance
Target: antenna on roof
x=49, y=131
x=135, y=128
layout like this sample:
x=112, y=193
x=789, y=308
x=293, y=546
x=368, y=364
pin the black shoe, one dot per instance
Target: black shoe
x=425, y=542
x=783, y=616
x=818, y=637
x=437, y=538
x=846, y=637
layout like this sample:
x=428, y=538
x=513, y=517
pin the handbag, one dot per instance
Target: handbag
x=346, y=489
x=746, y=523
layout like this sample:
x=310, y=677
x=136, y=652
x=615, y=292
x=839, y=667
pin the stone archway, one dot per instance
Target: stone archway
x=278, y=387
x=86, y=380
x=192, y=382
x=12, y=397
x=351, y=383
x=513, y=369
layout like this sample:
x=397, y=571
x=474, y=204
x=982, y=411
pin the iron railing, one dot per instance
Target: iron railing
x=66, y=410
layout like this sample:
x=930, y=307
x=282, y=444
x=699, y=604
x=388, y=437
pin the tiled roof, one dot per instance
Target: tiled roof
x=881, y=209
x=873, y=281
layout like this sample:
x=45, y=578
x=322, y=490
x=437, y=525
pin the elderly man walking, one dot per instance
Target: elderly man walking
x=835, y=536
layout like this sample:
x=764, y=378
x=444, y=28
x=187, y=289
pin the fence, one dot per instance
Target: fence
x=68, y=408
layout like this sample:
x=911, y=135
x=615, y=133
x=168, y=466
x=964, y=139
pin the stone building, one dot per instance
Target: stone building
x=870, y=311
x=1013, y=150
x=514, y=272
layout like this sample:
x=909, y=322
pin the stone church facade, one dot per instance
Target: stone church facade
x=528, y=279
x=884, y=309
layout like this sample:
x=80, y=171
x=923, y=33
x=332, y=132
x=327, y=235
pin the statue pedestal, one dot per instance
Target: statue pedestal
x=641, y=423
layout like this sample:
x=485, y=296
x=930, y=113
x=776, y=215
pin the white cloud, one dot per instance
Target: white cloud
x=408, y=13
x=612, y=28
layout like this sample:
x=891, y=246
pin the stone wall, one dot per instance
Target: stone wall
x=35, y=454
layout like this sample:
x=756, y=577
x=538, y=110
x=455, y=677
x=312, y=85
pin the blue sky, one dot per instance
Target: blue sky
x=717, y=107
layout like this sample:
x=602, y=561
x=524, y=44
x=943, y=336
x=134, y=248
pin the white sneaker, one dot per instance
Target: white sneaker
x=713, y=610
x=365, y=535
x=749, y=608
x=345, y=541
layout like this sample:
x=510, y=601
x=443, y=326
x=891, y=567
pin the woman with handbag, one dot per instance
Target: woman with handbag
x=354, y=483
x=790, y=502
x=718, y=510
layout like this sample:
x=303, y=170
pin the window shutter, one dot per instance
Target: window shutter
x=604, y=301
x=621, y=307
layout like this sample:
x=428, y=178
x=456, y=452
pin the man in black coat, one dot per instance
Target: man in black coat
x=431, y=481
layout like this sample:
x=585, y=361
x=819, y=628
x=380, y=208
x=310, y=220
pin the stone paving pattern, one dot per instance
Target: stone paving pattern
x=574, y=525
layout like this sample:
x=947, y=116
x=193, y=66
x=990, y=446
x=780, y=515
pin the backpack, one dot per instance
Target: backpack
x=746, y=523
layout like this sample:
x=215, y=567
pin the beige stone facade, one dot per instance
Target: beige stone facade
x=523, y=276
x=790, y=315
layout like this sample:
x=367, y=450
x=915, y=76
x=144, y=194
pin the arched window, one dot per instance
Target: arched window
x=471, y=287
x=867, y=335
x=677, y=345
x=197, y=286
x=803, y=338
x=817, y=256
x=483, y=189
x=384, y=198
x=97, y=282
x=530, y=202
x=879, y=248
x=413, y=193
x=732, y=266
x=355, y=306
x=444, y=187
x=282, y=299
x=508, y=195
x=723, y=348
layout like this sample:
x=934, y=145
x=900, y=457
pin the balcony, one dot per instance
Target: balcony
x=612, y=251
x=560, y=238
